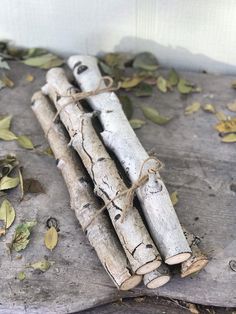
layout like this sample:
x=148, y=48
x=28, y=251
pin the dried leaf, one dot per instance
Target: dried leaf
x=173, y=77
x=48, y=151
x=21, y=236
x=7, y=164
x=45, y=61
x=42, y=265
x=51, y=238
x=226, y=126
x=174, y=198
x=234, y=84
x=25, y=142
x=32, y=186
x=209, y=108
x=185, y=87
x=126, y=105
x=116, y=59
x=105, y=68
x=221, y=116
x=7, y=135
x=143, y=90
x=231, y=107
x=229, y=138
x=5, y=122
x=7, y=214
x=4, y=64
x=154, y=116
x=7, y=183
x=29, y=78
x=21, y=276
x=136, y=123
x=7, y=82
x=192, y=108
x=34, y=52
x=162, y=84
x=21, y=183
x=193, y=308
x=145, y=61
x=131, y=82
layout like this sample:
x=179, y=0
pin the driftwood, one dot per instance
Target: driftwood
x=138, y=245
x=118, y=135
x=100, y=232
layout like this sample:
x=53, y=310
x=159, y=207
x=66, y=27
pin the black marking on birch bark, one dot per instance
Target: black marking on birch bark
x=149, y=246
x=107, y=196
x=33, y=103
x=77, y=64
x=132, y=253
x=81, y=69
x=90, y=158
x=101, y=159
x=83, y=180
x=57, y=161
x=117, y=216
x=86, y=205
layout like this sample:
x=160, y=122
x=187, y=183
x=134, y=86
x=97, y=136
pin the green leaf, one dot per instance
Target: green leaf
x=162, y=84
x=174, y=198
x=21, y=276
x=136, y=123
x=105, y=68
x=7, y=135
x=185, y=87
x=154, y=116
x=25, y=142
x=5, y=122
x=173, y=77
x=143, y=90
x=145, y=61
x=7, y=183
x=21, y=183
x=229, y=138
x=35, y=52
x=194, y=107
x=42, y=265
x=126, y=105
x=21, y=236
x=45, y=61
x=131, y=82
x=7, y=214
x=48, y=151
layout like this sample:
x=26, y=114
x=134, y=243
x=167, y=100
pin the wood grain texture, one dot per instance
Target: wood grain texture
x=198, y=166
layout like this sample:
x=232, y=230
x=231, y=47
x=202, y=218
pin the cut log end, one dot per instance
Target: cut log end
x=195, y=267
x=131, y=283
x=158, y=282
x=177, y=259
x=147, y=268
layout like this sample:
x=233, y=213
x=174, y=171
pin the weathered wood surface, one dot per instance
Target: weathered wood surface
x=198, y=166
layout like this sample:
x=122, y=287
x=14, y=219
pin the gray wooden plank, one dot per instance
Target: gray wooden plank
x=198, y=166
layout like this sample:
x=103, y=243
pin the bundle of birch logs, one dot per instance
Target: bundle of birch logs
x=129, y=249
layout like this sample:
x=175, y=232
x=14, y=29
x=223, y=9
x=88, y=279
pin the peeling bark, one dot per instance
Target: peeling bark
x=118, y=135
x=138, y=245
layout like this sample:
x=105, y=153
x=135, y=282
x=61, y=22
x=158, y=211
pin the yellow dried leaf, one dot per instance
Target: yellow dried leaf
x=174, y=198
x=7, y=135
x=5, y=122
x=153, y=115
x=221, y=116
x=226, y=126
x=7, y=82
x=21, y=276
x=29, y=78
x=131, y=82
x=8, y=183
x=192, y=108
x=229, y=138
x=162, y=84
x=51, y=238
x=136, y=123
x=231, y=107
x=7, y=214
x=42, y=265
x=25, y=142
x=209, y=108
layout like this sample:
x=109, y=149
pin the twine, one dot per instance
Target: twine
x=142, y=179
x=83, y=95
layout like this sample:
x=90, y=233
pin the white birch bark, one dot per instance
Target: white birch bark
x=137, y=243
x=118, y=135
x=157, y=277
x=100, y=233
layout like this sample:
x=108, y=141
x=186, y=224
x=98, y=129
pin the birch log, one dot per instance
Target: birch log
x=197, y=261
x=100, y=233
x=157, y=277
x=118, y=135
x=137, y=243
